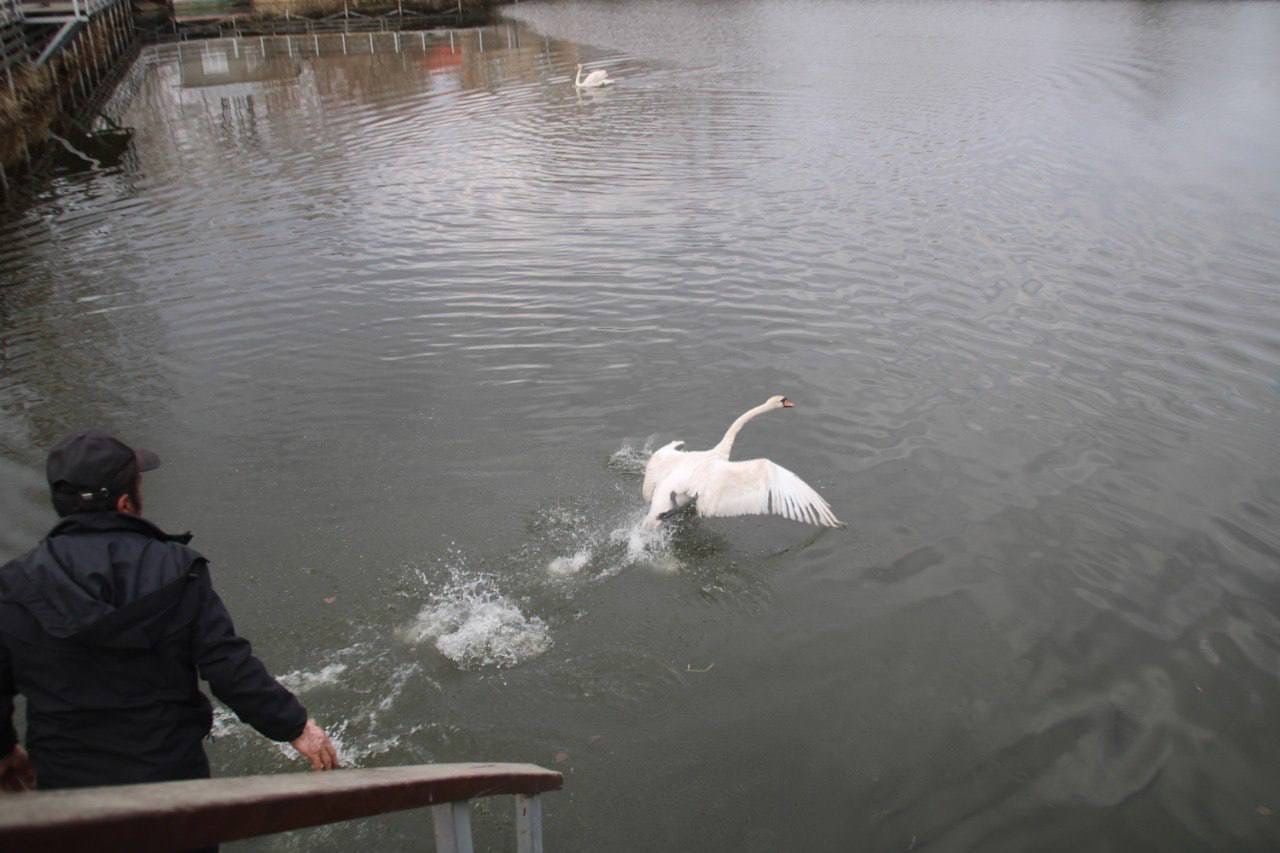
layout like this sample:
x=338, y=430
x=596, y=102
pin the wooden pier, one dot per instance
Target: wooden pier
x=37, y=11
x=57, y=58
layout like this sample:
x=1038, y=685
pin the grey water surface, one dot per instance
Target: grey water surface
x=402, y=314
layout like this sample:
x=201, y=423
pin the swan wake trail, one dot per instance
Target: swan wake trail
x=358, y=731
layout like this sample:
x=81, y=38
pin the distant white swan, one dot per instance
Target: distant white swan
x=673, y=478
x=596, y=78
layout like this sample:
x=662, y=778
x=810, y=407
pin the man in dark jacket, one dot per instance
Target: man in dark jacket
x=104, y=627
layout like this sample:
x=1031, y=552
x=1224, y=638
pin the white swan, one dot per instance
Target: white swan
x=673, y=478
x=596, y=78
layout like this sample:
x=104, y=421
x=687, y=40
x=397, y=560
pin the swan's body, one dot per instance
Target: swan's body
x=595, y=79
x=674, y=478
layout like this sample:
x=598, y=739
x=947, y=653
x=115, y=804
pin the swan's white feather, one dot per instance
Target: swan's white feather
x=758, y=487
x=599, y=77
x=660, y=465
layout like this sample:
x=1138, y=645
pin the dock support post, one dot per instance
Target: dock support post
x=95, y=73
x=56, y=84
x=453, y=827
x=528, y=824
x=109, y=24
x=84, y=91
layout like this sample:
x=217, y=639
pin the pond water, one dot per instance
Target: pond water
x=403, y=314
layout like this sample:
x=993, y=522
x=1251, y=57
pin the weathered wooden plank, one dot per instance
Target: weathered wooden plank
x=174, y=815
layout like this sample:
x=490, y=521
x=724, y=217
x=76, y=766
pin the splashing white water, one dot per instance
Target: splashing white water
x=643, y=545
x=572, y=564
x=474, y=625
x=356, y=737
x=629, y=459
x=604, y=547
x=301, y=680
x=359, y=732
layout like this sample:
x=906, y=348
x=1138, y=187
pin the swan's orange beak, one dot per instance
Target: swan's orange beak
x=787, y=404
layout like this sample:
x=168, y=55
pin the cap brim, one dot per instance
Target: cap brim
x=147, y=461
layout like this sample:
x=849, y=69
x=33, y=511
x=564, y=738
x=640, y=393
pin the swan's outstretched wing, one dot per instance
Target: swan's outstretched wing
x=760, y=487
x=659, y=466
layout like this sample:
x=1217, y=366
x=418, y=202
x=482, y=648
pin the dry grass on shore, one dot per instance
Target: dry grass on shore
x=25, y=116
x=28, y=113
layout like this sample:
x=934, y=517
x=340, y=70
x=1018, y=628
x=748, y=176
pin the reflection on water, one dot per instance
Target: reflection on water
x=404, y=313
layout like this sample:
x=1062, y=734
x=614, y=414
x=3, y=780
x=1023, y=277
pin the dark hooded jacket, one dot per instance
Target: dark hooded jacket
x=104, y=627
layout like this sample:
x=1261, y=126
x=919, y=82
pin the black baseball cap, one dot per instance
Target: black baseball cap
x=95, y=465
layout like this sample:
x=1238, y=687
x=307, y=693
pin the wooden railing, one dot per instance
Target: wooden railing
x=182, y=815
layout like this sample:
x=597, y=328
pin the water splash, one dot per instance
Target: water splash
x=595, y=547
x=302, y=681
x=473, y=624
x=359, y=733
x=572, y=564
x=629, y=459
x=358, y=737
x=641, y=545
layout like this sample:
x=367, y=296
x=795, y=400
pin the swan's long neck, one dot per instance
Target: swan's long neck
x=726, y=443
x=577, y=81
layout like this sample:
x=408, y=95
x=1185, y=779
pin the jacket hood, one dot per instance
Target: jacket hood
x=105, y=577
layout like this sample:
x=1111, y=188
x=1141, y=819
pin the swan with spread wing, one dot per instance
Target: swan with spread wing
x=674, y=478
x=594, y=80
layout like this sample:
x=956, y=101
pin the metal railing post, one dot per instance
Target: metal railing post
x=453, y=827
x=528, y=824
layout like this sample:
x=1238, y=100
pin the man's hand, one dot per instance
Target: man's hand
x=314, y=745
x=17, y=773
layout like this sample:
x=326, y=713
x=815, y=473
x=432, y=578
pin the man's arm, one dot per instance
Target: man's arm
x=242, y=682
x=8, y=734
x=16, y=772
